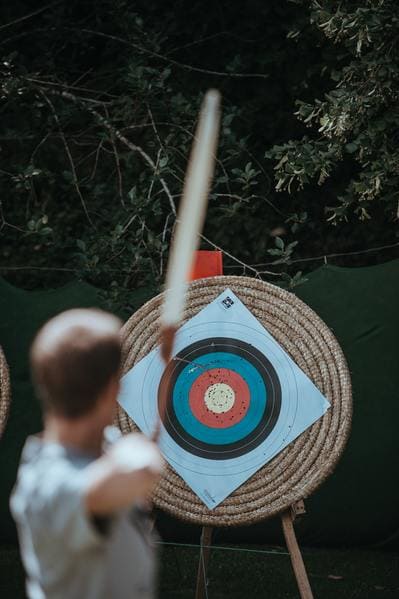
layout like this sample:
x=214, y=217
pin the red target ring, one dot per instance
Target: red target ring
x=219, y=398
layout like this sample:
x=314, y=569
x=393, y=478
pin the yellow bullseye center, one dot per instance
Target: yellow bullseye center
x=219, y=398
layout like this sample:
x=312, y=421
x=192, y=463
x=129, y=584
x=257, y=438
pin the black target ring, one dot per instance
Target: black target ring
x=269, y=416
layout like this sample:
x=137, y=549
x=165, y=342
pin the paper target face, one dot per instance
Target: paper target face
x=234, y=398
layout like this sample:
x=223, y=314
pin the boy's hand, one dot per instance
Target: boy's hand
x=126, y=474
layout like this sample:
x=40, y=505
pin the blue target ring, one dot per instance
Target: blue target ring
x=233, y=433
x=229, y=355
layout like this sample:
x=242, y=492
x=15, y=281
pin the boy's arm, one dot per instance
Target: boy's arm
x=111, y=488
x=56, y=501
x=127, y=474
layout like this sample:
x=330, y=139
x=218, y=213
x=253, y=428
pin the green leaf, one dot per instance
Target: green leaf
x=351, y=148
x=279, y=243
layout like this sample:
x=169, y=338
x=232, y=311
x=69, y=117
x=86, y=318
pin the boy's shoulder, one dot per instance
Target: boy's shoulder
x=48, y=456
x=46, y=469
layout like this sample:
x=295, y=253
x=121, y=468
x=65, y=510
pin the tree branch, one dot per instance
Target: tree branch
x=180, y=65
x=68, y=153
x=30, y=15
x=116, y=132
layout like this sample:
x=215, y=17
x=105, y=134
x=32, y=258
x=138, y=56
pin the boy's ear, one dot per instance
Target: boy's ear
x=111, y=391
x=115, y=385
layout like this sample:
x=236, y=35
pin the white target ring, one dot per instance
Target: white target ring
x=219, y=398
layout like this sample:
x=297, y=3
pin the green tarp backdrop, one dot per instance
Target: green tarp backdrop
x=359, y=503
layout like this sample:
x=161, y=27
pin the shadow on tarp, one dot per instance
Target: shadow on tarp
x=357, y=505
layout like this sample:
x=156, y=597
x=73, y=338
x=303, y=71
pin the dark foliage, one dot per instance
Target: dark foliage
x=98, y=108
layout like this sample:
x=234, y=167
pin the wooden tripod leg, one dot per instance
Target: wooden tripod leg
x=296, y=556
x=206, y=540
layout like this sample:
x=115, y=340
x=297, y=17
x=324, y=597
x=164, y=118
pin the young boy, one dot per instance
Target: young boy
x=76, y=502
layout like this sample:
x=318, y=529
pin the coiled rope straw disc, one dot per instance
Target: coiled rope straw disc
x=5, y=392
x=302, y=466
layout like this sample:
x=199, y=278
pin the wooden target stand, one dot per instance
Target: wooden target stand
x=287, y=519
x=278, y=488
x=210, y=264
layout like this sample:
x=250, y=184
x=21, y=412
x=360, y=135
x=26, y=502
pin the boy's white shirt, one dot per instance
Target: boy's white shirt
x=64, y=553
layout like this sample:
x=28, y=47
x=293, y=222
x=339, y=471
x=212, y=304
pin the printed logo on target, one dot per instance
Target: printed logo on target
x=227, y=302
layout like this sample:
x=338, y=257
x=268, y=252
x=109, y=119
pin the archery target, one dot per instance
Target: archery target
x=222, y=398
x=234, y=398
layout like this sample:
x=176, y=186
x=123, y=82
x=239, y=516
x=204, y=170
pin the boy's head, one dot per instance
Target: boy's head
x=75, y=358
